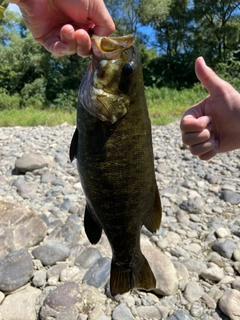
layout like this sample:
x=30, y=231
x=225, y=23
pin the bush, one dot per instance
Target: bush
x=230, y=72
x=33, y=94
x=7, y=101
x=66, y=100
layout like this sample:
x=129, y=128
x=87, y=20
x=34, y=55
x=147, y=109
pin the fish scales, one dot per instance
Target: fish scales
x=113, y=147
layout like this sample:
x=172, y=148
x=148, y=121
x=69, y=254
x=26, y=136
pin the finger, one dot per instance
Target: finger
x=193, y=138
x=83, y=43
x=67, y=36
x=54, y=45
x=208, y=77
x=60, y=42
x=100, y=16
x=203, y=148
x=192, y=122
x=211, y=153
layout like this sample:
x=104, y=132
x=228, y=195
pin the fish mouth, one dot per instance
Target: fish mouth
x=104, y=48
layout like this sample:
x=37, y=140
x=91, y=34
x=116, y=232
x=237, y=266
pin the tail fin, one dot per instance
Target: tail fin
x=137, y=275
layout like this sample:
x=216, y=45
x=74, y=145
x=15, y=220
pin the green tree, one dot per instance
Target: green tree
x=130, y=15
x=38, y=77
x=174, y=66
x=217, y=26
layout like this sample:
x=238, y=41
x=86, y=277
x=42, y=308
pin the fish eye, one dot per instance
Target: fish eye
x=127, y=69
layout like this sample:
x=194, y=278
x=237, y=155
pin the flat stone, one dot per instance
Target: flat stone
x=30, y=162
x=173, y=237
x=215, y=293
x=47, y=177
x=182, y=217
x=230, y=196
x=192, y=205
x=87, y=258
x=66, y=205
x=98, y=275
x=92, y=296
x=27, y=190
x=223, y=232
x=39, y=278
x=20, y=228
x=236, y=254
x=213, y=179
x=182, y=271
x=16, y=269
x=163, y=168
x=179, y=252
x=121, y=312
x=64, y=302
x=20, y=305
x=146, y=312
x=180, y=315
x=50, y=253
x=162, y=268
x=237, y=266
x=193, y=291
x=67, y=234
x=194, y=265
x=236, y=284
x=224, y=248
x=212, y=273
x=70, y=274
x=229, y=304
x=209, y=301
x=193, y=247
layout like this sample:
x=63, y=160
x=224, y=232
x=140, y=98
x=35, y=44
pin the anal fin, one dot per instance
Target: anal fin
x=73, y=146
x=92, y=228
x=153, y=221
x=124, y=277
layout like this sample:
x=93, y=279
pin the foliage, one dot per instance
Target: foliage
x=7, y=101
x=129, y=15
x=216, y=26
x=39, y=78
x=32, y=77
x=230, y=72
x=165, y=105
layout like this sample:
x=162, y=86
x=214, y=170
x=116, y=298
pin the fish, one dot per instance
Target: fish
x=113, y=147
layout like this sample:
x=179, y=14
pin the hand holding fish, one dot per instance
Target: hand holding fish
x=61, y=26
x=213, y=125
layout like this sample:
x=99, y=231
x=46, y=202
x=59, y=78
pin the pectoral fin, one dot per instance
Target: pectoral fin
x=124, y=277
x=92, y=228
x=153, y=221
x=73, y=146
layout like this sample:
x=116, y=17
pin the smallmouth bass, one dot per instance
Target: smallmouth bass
x=113, y=147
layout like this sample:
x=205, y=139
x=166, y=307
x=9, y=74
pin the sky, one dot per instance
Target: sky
x=13, y=7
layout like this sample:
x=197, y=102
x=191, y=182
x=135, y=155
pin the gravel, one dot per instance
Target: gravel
x=49, y=270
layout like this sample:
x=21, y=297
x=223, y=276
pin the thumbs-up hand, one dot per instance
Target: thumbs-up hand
x=212, y=125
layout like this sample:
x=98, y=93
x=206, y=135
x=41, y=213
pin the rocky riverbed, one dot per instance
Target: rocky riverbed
x=48, y=269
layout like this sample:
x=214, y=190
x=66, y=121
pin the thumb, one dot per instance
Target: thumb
x=208, y=77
